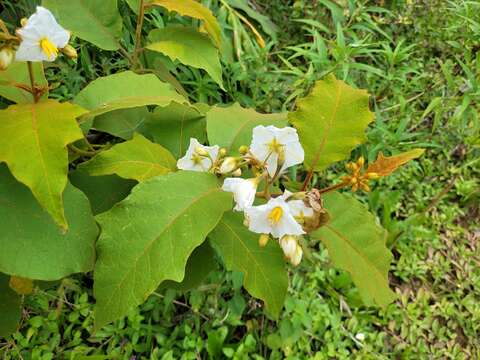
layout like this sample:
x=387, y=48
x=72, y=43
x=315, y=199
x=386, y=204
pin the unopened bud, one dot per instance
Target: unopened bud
x=263, y=240
x=222, y=152
x=288, y=243
x=23, y=21
x=228, y=165
x=297, y=257
x=243, y=149
x=365, y=187
x=237, y=172
x=373, y=175
x=70, y=52
x=201, y=151
x=6, y=57
x=361, y=161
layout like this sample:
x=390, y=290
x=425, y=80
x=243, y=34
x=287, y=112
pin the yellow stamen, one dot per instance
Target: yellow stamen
x=48, y=48
x=275, y=146
x=275, y=215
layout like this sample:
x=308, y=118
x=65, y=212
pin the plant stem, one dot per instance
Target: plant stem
x=307, y=179
x=333, y=187
x=138, y=32
x=32, y=81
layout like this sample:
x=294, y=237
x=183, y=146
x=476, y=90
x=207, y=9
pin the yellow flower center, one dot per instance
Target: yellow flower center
x=197, y=159
x=275, y=215
x=275, y=146
x=48, y=48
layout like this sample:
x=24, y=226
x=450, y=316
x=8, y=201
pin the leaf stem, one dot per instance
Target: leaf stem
x=308, y=179
x=138, y=32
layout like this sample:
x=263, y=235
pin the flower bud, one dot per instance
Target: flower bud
x=222, y=152
x=373, y=175
x=297, y=258
x=70, y=52
x=6, y=57
x=289, y=244
x=228, y=165
x=23, y=21
x=243, y=149
x=201, y=151
x=361, y=161
x=237, y=172
x=263, y=240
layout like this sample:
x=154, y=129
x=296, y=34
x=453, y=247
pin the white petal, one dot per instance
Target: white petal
x=286, y=226
x=299, y=209
x=258, y=219
x=294, y=154
x=243, y=191
x=261, y=137
x=28, y=51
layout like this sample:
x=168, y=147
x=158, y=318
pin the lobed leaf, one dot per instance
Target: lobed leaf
x=34, y=141
x=265, y=275
x=195, y=10
x=385, y=165
x=17, y=73
x=148, y=237
x=232, y=126
x=356, y=243
x=33, y=246
x=96, y=21
x=188, y=46
x=137, y=159
x=125, y=90
x=10, y=308
x=331, y=121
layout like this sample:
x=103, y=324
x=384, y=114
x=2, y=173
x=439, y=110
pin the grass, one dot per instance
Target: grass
x=420, y=60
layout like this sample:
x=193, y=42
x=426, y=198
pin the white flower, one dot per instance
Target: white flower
x=198, y=157
x=299, y=210
x=273, y=218
x=243, y=191
x=276, y=147
x=41, y=37
x=292, y=250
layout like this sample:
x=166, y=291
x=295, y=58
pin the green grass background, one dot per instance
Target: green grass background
x=420, y=60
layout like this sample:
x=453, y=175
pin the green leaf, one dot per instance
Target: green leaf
x=10, y=308
x=137, y=159
x=147, y=238
x=232, y=126
x=356, y=243
x=195, y=10
x=173, y=126
x=17, y=73
x=199, y=265
x=122, y=123
x=33, y=246
x=34, y=141
x=189, y=46
x=125, y=90
x=102, y=191
x=331, y=121
x=267, y=25
x=96, y=21
x=264, y=267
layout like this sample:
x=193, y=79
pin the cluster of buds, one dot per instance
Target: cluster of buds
x=357, y=177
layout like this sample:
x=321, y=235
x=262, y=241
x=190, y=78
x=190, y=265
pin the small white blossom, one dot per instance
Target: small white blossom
x=42, y=37
x=198, y=157
x=243, y=191
x=292, y=249
x=360, y=336
x=276, y=147
x=273, y=218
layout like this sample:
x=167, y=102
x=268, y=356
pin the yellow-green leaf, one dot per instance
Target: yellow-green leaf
x=385, y=165
x=331, y=121
x=125, y=90
x=96, y=21
x=195, y=10
x=189, y=46
x=34, y=141
x=17, y=73
x=137, y=159
x=20, y=285
x=356, y=243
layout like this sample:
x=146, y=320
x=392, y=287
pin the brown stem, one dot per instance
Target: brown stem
x=307, y=179
x=138, y=31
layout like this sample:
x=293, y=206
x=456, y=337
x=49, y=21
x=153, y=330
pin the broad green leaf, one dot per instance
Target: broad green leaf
x=102, y=191
x=125, y=90
x=267, y=25
x=356, y=243
x=232, y=126
x=33, y=246
x=10, y=308
x=148, y=237
x=385, y=165
x=331, y=121
x=265, y=275
x=195, y=10
x=199, y=265
x=34, y=146
x=96, y=21
x=122, y=123
x=17, y=73
x=173, y=126
x=188, y=46
x=137, y=159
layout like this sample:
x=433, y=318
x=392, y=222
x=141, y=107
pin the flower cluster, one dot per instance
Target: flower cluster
x=271, y=152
